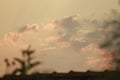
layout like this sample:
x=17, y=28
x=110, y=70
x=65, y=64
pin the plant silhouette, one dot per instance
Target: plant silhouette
x=26, y=63
x=7, y=65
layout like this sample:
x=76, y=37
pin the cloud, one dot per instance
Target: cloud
x=69, y=27
x=63, y=44
x=92, y=61
x=68, y=32
x=66, y=37
x=70, y=22
x=52, y=26
x=31, y=28
x=112, y=39
x=98, y=57
x=49, y=48
x=12, y=37
x=52, y=39
x=16, y=37
x=102, y=63
x=65, y=31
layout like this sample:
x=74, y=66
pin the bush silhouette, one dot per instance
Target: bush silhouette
x=25, y=63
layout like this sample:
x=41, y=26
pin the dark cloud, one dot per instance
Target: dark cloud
x=70, y=23
x=112, y=41
x=69, y=26
x=26, y=28
x=71, y=30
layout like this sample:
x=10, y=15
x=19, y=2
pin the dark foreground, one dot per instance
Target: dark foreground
x=106, y=75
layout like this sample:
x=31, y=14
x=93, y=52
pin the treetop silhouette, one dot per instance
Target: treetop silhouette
x=26, y=63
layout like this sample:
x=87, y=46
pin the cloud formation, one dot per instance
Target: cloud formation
x=12, y=37
x=67, y=38
x=33, y=27
x=112, y=41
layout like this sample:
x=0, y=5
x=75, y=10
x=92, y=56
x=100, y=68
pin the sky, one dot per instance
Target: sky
x=59, y=31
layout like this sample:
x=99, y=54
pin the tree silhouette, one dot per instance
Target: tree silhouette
x=26, y=63
x=7, y=65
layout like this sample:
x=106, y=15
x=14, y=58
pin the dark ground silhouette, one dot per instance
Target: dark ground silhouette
x=106, y=75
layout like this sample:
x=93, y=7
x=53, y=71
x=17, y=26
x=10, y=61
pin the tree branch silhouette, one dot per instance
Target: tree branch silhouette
x=25, y=63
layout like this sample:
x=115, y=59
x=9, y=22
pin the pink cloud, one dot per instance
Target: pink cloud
x=52, y=26
x=101, y=63
x=92, y=61
x=106, y=63
x=15, y=37
x=61, y=35
x=12, y=38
